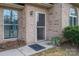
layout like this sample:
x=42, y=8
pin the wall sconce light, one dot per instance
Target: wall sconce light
x=50, y=13
x=31, y=13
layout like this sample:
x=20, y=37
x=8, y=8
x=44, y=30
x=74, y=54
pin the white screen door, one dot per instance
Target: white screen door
x=41, y=26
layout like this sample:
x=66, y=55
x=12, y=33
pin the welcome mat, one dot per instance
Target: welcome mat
x=36, y=47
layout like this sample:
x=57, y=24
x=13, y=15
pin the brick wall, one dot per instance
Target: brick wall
x=1, y=25
x=54, y=21
x=31, y=24
x=57, y=17
x=65, y=14
x=22, y=25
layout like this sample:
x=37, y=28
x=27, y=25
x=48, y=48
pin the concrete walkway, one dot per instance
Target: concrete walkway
x=25, y=50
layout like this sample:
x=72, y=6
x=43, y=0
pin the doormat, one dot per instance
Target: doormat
x=36, y=47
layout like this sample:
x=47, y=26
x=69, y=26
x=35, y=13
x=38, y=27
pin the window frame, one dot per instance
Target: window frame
x=73, y=16
x=9, y=24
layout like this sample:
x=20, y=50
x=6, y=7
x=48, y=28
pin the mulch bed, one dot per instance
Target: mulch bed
x=69, y=45
x=12, y=45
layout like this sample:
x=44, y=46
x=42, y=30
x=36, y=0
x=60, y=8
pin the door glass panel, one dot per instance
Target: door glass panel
x=41, y=33
x=41, y=20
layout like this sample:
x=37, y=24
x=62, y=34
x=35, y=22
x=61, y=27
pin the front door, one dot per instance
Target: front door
x=40, y=26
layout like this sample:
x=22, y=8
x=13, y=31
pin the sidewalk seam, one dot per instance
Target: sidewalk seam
x=21, y=52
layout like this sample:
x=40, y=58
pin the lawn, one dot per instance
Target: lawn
x=64, y=50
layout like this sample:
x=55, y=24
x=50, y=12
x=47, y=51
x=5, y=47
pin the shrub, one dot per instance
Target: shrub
x=72, y=33
x=55, y=41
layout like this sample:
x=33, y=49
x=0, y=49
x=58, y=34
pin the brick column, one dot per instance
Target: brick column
x=1, y=26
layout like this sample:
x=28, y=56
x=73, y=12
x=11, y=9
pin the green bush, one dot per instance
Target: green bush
x=72, y=33
x=55, y=41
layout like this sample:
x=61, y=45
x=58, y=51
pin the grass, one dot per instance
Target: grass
x=65, y=49
x=58, y=52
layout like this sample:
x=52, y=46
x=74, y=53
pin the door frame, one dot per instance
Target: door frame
x=36, y=25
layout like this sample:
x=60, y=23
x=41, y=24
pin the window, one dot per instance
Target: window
x=10, y=23
x=73, y=20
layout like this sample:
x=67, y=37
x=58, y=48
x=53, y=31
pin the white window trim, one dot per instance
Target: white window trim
x=73, y=20
x=9, y=39
x=73, y=16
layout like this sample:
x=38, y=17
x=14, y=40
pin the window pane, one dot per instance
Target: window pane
x=72, y=11
x=7, y=16
x=6, y=31
x=75, y=21
x=14, y=17
x=13, y=31
x=70, y=22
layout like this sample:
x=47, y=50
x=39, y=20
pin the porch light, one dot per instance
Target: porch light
x=31, y=13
